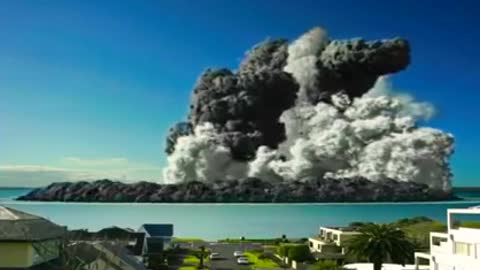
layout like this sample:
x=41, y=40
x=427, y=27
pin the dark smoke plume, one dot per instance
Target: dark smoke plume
x=315, y=107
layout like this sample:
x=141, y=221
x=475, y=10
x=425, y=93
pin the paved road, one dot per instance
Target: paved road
x=226, y=250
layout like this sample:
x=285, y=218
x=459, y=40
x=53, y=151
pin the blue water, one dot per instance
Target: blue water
x=215, y=221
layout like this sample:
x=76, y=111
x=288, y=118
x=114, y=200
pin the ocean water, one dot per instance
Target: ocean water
x=216, y=221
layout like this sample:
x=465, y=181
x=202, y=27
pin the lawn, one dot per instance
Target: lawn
x=186, y=240
x=257, y=262
x=188, y=268
x=470, y=224
x=264, y=241
x=190, y=262
x=420, y=232
x=271, y=247
x=190, y=259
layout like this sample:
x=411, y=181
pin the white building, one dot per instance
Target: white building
x=458, y=249
x=329, y=243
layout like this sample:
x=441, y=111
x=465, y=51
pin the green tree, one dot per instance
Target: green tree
x=380, y=242
x=327, y=265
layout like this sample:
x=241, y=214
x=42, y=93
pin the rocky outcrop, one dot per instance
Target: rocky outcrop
x=245, y=190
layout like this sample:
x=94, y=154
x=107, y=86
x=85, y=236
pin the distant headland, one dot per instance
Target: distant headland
x=248, y=190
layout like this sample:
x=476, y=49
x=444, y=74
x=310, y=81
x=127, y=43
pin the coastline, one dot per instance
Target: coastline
x=248, y=190
x=459, y=201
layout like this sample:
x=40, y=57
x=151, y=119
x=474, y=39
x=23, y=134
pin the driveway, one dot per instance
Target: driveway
x=228, y=261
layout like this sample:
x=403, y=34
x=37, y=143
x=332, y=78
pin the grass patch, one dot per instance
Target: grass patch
x=191, y=268
x=258, y=262
x=265, y=241
x=424, y=228
x=420, y=232
x=271, y=247
x=190, y=259
x=186, y=240
x=188, y=268
x=470, y=224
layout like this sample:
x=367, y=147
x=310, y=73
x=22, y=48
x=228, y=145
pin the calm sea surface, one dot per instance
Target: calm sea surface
x=216, y=221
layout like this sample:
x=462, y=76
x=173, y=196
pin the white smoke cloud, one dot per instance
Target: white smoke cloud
x=420, y=110
x=200, y=157
x=302, y=59
x=375, y=137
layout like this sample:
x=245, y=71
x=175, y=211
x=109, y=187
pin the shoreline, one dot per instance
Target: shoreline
x=24, y=202
x=248, y=190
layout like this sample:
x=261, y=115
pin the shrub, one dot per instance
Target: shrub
x=282, y=250
x=327, y=265
x=299, y=253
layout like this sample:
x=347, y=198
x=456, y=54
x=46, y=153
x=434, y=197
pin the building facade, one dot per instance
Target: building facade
x=458, y=248
x=152, y=240
x=27, y=240
x=330, y=243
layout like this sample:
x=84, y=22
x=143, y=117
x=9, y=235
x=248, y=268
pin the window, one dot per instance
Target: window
x=436, y=241
x=462, y=248
x=311, y=244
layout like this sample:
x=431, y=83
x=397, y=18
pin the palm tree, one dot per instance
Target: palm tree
x=380, y=242
x=201, y=254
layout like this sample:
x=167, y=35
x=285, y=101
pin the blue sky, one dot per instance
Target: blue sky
x=90, y=88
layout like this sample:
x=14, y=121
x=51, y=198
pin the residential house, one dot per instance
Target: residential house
x=330, y=243
x=115, y=233
x=105, y=256
x=27, y=240
x=152, y=240
x=458, y=248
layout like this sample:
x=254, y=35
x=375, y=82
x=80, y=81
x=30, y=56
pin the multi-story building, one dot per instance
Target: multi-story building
x=330, y=242
x=458, y=248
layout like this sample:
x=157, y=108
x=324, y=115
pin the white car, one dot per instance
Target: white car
x=214, y=256
x=238, y=254
x=242, y=261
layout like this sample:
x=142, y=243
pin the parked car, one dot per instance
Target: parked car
x=215, y=256
x=242, y=261
x=238, y=254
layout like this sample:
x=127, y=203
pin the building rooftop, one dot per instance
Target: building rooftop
x=157, y=230
x=121, y=253
x=7, y=213
x=385, y=266
x=16, y=225
x=342, y=229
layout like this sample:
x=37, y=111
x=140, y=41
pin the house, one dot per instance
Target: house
x=27, y=240
x=116, y=233
x=103, y=256
x=152, y=240
x=156, y=238
x=459, y=248
x=330, y=242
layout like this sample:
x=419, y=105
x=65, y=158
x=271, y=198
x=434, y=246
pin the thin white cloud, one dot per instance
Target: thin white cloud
x=76, y=161
x=76, y=169
x=28, y=168
x=33, y=175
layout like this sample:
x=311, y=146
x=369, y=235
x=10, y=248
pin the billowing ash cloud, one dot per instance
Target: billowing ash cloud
x=200, y=156
x=375, y=137
x=324, y=67
x=315, y=108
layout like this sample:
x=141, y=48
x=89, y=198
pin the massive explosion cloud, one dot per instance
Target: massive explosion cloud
x=304, y=111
